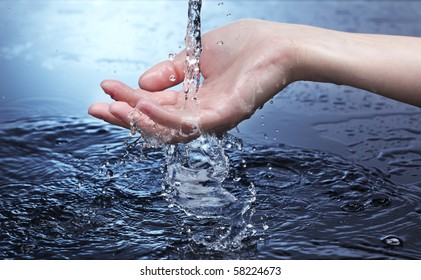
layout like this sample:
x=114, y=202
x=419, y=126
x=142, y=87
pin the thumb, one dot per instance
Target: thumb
x=163, y=75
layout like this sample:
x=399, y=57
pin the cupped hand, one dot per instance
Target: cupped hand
x=243, y=65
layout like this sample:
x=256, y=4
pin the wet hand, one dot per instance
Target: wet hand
x=242, y=67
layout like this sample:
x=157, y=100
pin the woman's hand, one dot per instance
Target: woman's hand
x=243, y=65
x=247, y=62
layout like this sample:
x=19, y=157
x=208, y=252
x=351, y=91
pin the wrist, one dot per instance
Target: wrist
x=304, y=53
x=316, y=51
x=329, y=56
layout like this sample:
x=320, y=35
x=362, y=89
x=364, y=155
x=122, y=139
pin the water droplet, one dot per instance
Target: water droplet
x=265, y=227
x=269, y=166
x=172, y=78
x=392, y=241
x=229, y=14
x=220, y=43
x=171, y=56
x=266, y=136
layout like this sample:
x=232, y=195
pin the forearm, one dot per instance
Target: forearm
x=387, y=65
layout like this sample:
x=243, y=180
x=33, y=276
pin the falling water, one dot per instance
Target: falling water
x=196, y=172
x=193, y=50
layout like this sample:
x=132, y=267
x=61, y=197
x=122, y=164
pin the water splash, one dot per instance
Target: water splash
x=196, y=172
x=199, y=182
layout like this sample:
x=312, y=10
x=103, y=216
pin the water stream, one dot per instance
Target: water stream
x=193, y=51
x=196, y=172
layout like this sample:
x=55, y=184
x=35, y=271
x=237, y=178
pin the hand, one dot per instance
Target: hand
x=243, y=64
x=247, y=62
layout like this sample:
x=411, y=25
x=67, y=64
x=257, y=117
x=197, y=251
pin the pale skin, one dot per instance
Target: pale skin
x=256, y=60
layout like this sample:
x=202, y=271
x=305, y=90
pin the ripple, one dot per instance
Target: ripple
x=58, y=203
x=333, y=199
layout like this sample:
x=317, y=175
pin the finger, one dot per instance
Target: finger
x=163, y=98
x=186, y=123
x=120, y=92
x=163, y=75
x=122, y=111
x=100, y=110
x=144, y=124
x=152, y=130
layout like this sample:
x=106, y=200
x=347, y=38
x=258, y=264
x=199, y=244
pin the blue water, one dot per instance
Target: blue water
x=321, y=172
